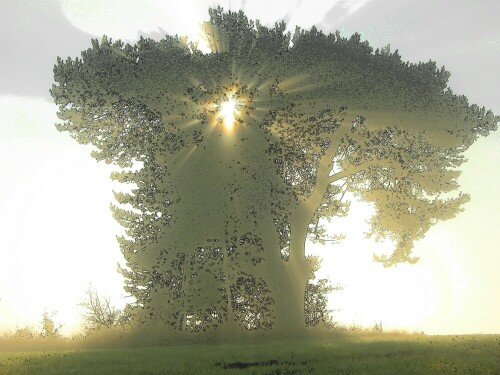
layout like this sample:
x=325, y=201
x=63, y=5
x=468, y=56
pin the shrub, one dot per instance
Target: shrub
x=49, y=329
x=99, y=313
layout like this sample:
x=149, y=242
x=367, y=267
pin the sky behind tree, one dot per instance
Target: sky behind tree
x=58, y=233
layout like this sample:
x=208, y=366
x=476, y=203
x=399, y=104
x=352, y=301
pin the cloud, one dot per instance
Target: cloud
x=127, y=19
x=32, y=35
x=270, y=12
x=309, y=13
x=352, y=6
x=340, y=12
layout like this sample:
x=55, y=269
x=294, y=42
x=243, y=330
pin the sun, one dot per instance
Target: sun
x=228, y=112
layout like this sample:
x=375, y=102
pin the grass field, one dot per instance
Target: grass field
x=350, y=354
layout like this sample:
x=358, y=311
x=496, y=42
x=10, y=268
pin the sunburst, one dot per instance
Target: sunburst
x=228, y=112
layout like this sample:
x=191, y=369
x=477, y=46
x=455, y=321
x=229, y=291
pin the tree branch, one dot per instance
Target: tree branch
x=363, y=166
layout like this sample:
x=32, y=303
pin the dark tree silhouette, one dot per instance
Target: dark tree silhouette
x=243, y=153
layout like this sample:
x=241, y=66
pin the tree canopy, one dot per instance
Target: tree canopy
x=219, y=213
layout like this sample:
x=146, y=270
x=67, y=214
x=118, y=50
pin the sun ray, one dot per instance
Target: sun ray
x=293, y=82
x=184, y=155
x=188, y=123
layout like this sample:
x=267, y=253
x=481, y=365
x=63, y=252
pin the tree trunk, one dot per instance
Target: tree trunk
x=289, y=281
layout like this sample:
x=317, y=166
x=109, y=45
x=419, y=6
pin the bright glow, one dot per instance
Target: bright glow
x=127, y=19
x=228, y=112
x=55, y=220
x=58, y=233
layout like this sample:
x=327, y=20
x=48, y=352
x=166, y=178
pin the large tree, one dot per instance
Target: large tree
x=241, y=154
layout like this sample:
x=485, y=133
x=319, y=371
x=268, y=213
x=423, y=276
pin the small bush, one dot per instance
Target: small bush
x=25, y=333
x=100, y=314
x=377, y=327
x=49, y=329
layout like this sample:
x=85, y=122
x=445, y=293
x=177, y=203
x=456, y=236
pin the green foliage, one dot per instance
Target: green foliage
x=316, y=300
x=351, y=354
x=217, y=219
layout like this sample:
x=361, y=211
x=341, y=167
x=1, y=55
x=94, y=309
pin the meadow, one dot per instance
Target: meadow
x=357, y=353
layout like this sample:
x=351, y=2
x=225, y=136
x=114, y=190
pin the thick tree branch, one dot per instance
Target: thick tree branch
x=363, y=166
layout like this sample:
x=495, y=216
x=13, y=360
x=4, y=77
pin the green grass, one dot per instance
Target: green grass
x=351, y=354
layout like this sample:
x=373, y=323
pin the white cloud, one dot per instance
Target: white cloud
x=269, y=12
x=352, y=6
x=127, y=19
x=310, y=13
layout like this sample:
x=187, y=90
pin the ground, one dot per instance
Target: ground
x=348, y=353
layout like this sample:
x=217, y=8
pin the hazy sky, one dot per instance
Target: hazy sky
x=57, y=233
